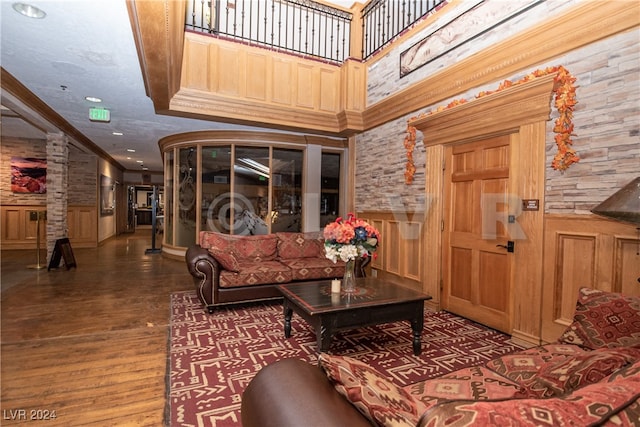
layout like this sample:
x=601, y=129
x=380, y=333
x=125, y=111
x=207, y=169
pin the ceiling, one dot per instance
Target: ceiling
x=85, y=48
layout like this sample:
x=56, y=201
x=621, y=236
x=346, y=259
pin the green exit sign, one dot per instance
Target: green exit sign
x=99, y=115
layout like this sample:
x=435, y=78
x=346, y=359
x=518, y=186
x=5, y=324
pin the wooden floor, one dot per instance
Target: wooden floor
x=88, y=344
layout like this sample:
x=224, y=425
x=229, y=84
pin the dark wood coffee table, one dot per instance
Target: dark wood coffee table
x=374, y=302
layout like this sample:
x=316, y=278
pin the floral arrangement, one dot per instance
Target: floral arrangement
x=350, y=239
x=565, y=101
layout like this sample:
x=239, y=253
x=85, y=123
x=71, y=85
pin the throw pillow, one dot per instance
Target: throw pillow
x=299, y=245
x=556, y=379
x=376, y=397
x=226, y=259
x=604, y=319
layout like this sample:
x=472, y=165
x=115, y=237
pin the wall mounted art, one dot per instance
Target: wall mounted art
x=107, y=196
x=28, y=175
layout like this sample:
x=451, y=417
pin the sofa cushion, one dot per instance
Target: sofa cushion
x=252, y=273
x=226, y=258
x=474, y=383
x=593, y=404
x=314, y=268
x=245, y=248
x=376, y=397
x=300, y=245
x=555, y=379
x=522, y=367
x=604, y=319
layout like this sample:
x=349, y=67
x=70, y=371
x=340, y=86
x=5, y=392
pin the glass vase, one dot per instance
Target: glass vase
x=349, y=279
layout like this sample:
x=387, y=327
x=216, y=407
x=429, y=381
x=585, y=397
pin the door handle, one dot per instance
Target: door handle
x=510, y=246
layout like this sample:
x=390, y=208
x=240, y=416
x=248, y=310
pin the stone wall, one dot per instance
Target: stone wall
x=82, y=180
x=607, y=123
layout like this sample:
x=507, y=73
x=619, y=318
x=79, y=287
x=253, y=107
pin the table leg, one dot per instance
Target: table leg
x=417, y=325
x=325, y=329
x=288, y=312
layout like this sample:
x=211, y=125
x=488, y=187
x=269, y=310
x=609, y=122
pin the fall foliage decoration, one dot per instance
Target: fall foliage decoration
x=565, y=102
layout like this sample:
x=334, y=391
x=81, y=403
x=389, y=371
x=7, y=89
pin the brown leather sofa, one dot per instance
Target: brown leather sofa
x=308, y=399
x=261, y=262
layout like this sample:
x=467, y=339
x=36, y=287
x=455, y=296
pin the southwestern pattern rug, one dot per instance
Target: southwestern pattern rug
x=214, y=357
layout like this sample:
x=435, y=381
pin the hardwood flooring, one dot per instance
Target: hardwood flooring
x=88, y=344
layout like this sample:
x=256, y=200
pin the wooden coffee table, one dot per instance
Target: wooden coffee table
x=374, y=302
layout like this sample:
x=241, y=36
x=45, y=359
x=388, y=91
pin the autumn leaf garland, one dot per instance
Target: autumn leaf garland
x=565, y=101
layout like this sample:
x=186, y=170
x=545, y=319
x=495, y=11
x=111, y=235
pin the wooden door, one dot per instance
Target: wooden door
x=476, y=264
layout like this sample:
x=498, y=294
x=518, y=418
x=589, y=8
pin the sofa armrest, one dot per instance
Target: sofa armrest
x=205, y=271
x=291, y=392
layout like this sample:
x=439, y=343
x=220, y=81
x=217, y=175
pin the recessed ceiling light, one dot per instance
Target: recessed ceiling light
x=144, y=168
x=29, y=10
x=92, y=99
x=139, y=161
x=131, y=150
x=117, y=133
x=128, y=158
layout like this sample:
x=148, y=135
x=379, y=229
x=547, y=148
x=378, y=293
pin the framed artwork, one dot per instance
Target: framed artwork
x=107, y=196
x=28, y=175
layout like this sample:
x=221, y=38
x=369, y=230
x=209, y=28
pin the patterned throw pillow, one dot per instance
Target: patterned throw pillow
x=226, y=258
x=377, y=398
x=556, y=379
x=602, y=403
x=299, y=245
x=245, y=248
x=604, y=319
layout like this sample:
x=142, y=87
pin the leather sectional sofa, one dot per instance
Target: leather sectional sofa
x=589, y=376
x=230, y=269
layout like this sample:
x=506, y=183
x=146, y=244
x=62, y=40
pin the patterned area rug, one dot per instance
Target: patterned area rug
x=213, y=357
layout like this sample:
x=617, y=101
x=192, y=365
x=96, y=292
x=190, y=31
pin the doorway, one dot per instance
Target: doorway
x=476, y=250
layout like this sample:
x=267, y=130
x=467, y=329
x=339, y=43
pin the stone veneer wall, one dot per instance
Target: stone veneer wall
x=83, y=182
x=82, y=177
x=57, y=189
x=607, y=123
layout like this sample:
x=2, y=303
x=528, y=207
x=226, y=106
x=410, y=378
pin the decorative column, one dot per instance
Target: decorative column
x=57, y=188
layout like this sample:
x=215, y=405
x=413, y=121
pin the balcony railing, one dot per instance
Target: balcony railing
x=383, y=20
x=304, y=26
x=300, y=26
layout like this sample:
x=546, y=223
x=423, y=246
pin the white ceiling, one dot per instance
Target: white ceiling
x=86, y=48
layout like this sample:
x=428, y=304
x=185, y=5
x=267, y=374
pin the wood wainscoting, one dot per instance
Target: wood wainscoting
x=400, y=253
x=585, y=250
x=19, y=230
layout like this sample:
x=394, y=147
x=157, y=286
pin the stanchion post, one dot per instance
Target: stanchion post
x=39, y=215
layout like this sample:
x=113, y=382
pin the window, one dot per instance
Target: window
x=286, y=212
x=329, y=188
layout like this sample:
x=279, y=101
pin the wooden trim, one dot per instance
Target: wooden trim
x=218, y=137
x=434, y=185
x=158, y=32
x=510, y=108
x=581, y=25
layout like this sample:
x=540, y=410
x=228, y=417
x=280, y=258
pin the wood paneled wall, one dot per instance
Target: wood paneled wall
x=235, y=81
x=585, y=250
x=400, y=254
x=19, y=231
